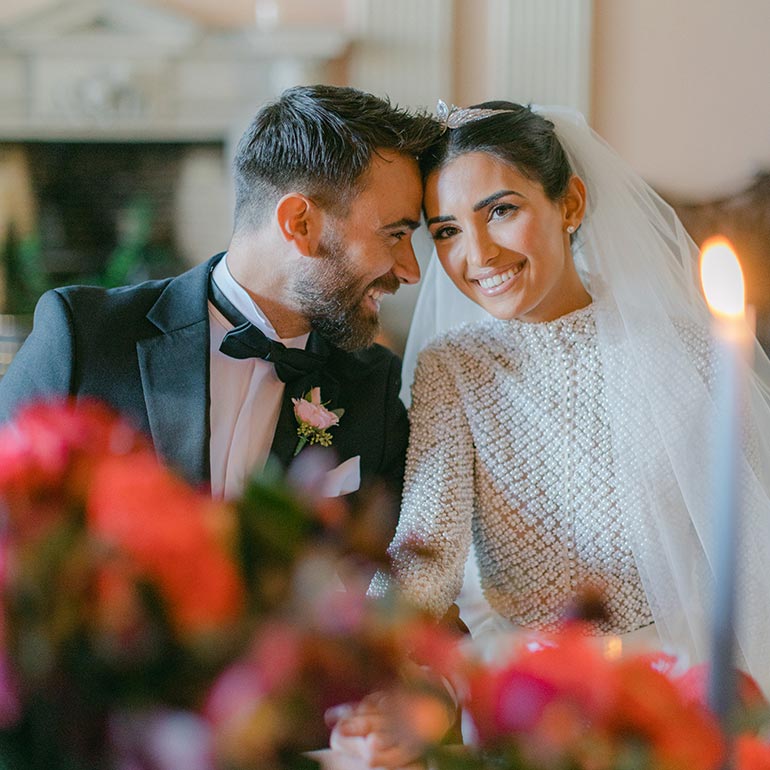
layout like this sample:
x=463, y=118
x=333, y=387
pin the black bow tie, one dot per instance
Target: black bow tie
x=245, y=340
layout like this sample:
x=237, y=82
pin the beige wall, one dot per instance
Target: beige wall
x=470, y=72
x=682, y=90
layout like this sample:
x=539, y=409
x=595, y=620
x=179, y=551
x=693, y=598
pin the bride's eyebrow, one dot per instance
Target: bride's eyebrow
x=494, y=197
x=476, y=206
x=443, y=218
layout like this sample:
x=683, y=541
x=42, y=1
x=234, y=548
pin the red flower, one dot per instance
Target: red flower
x=574, y=665
x=434, y=646
x=751, y=753
x=118, y=610
x=682, y=734
x=47, y=457
x=562, y=702
x=173, y=534
x=693, y=685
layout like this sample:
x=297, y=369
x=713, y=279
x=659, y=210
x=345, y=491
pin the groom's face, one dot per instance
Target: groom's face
x=365, y=254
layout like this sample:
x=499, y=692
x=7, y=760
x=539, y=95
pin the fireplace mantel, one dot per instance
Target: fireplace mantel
x=119, y=70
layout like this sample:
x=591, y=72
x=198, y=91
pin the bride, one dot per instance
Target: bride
x=562, y=401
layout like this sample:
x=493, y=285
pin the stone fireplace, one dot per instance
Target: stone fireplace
x=117, y=126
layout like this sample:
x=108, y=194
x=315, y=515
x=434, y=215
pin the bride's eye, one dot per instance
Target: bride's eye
x=501, y=210
x=442, y=233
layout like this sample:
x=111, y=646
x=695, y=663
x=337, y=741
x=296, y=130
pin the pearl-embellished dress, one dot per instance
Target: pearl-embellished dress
x=511, y=497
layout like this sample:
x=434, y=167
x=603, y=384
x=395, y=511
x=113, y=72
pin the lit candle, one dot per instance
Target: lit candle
x=613, y=648
x=724, y=289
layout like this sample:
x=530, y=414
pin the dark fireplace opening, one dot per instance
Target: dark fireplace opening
x=104, y=213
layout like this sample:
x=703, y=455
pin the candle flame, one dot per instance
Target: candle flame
x=722, y=278
x=613, y=648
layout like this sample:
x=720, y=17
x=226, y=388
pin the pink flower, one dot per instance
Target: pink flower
x=235, y=693
x=510, y=700
x=313, y=412
x=314, y=420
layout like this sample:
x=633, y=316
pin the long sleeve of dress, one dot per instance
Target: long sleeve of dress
x=434, y=532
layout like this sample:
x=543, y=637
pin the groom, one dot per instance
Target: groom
x=328, y=194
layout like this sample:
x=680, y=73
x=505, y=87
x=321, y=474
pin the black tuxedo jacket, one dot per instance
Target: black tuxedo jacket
x=145, y=351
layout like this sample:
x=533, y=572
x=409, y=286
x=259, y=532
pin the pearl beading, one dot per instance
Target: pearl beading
x=511, y=447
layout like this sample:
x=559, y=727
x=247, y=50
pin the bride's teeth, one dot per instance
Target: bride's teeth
x=496, y=280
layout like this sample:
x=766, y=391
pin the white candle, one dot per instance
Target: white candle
x=724, y=289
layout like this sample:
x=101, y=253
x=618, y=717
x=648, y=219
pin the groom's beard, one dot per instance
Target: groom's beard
x=332, y=299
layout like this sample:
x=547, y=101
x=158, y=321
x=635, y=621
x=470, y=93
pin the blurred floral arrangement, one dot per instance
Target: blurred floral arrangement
x=147, y=627
x=563, y=703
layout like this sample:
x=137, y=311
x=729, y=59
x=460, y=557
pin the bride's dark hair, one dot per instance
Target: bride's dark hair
x=517, y=136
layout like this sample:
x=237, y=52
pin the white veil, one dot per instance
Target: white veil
x=641, y=269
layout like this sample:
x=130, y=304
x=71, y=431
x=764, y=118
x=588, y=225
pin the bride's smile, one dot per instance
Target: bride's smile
x=500, y=281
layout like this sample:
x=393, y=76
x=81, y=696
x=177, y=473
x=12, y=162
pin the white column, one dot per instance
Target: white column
x=540, y=51
x=522, y=50
x=403, y=50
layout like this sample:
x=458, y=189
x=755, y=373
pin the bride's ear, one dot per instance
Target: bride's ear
x=574, y=204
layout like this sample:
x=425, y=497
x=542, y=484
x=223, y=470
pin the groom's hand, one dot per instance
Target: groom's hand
x=390, y=729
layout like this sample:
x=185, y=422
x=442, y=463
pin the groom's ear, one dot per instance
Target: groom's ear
x=300, y=222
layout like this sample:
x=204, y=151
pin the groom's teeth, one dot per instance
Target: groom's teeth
x=376, y=296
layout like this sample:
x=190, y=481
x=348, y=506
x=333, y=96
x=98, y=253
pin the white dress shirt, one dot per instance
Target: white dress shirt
x=245, y=395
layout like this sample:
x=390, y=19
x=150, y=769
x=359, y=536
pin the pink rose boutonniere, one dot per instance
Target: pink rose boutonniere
x=314, y=420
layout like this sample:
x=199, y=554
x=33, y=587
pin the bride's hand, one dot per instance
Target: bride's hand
x=389, y=729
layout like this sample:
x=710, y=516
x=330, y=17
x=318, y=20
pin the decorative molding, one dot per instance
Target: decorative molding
x=95, y=24
x=121, y=70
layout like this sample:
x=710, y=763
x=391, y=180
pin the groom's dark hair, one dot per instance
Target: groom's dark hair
x=319, y=140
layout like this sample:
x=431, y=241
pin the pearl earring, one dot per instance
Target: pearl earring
x=571, y=229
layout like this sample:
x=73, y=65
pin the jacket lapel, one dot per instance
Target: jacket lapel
x=174, y=368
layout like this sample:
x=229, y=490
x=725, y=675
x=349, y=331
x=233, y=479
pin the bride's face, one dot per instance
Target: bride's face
x=502, y=241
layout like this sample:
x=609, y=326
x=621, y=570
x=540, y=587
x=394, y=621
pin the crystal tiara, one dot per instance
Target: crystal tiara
x=454, y=117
